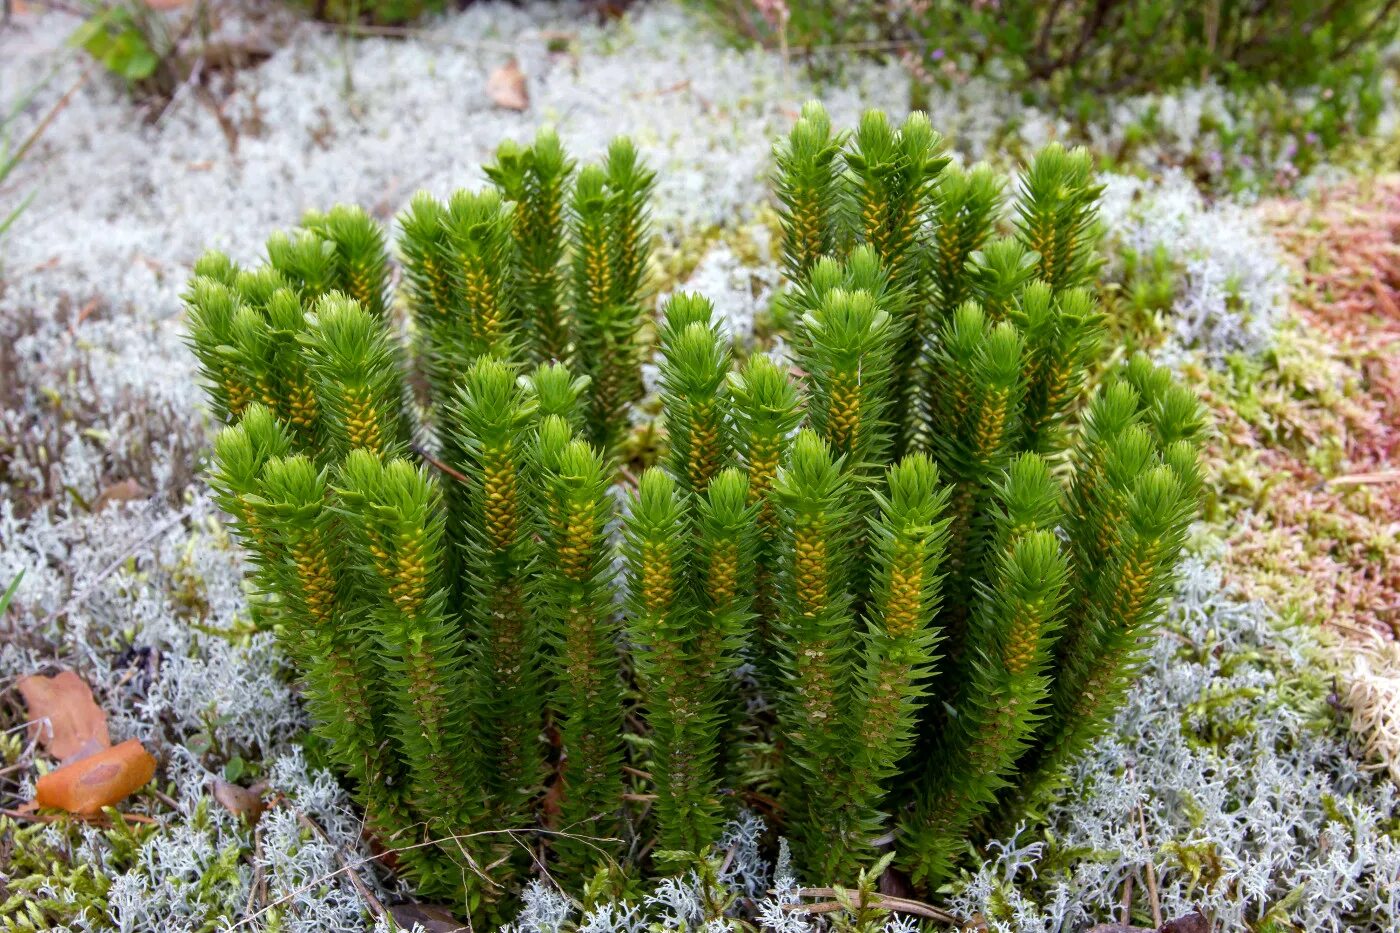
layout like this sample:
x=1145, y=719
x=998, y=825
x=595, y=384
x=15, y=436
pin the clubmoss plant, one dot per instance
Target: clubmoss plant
x=550, y=266
x=535, y=179
x=573, y=593
x=884, y=593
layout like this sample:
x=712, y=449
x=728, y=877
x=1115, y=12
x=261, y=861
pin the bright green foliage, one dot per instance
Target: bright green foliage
x=555, y=390
x=428, y=267
x=610, y=239
x=846, y=346
x=241, y=452
x=480, y=243
x=354, y=368
x=766, y=410
x=965, y=212
x=817, y=640
x=330, y=646
x=1001, y=676
x=687, y=604
x=128, y=40
x=490, y=417
x=359, y=254
x=1056, y=216
x=393, y=511
x=975, y=397
x=695, y=387
x=548, y=266
x=213, y=306
x=892, y=176
x=535, y=179
x=1136, y=483
x=807, y=188
x=887, y=595
x=573, y=590
x=909, y=540
x=1038, y=635
x=1062, y=331
x=998, y=273
x=305, y=260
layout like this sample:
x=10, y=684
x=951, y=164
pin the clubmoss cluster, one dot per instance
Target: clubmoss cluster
x=878, y=592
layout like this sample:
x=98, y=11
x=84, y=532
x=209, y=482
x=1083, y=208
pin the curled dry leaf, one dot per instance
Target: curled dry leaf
x=240, y=801
x=102, y=780
x=507, y=87
x=63, y=716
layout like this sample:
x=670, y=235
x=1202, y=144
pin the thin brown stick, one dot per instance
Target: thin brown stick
x=361, y=888
x=900, y=905
x=254, y=901
x=1151, y=871
x=441, y=467
x=165, y=798
x=54, y=111
x=348, y=867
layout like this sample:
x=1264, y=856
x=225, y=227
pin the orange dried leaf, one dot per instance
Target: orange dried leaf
x=102, y=780
x=75, y=723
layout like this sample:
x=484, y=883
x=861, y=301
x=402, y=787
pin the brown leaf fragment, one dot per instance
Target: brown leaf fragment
x=98, y=781
x=430, y=917
x=506, y=87
x=63, y=715
x=127, y=490
x=1194, y=922
x=240, y=801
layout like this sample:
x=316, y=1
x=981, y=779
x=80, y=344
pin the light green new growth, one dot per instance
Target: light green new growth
x=535, y=179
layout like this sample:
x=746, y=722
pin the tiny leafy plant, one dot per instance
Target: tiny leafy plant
x=879, y=591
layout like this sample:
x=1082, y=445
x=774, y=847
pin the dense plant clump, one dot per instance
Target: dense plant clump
x=876, y=591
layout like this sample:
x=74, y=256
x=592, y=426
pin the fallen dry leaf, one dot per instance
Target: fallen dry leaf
x=430, y=917
x=75, y=723
x=506, y=85
x=125, y=491
x=98, y=781
x=1194, y=922
x=238, y=800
